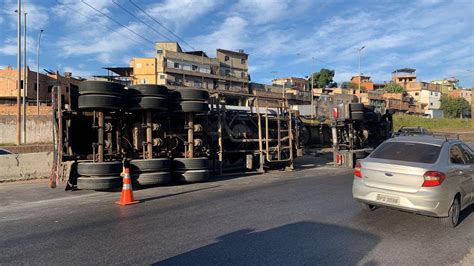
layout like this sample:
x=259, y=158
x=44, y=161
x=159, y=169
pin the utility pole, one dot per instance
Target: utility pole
x=312, y=87
x=25, y=80
x=472, y=99
x=37, y=72
x=18, y=96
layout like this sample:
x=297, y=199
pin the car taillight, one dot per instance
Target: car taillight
x=357, y=172
x=433, y=178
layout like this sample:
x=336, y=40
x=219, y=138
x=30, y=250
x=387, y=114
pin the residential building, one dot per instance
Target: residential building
x=293, y=83
x=227, y=72
x=462, y=93
x=403, y=76
x=9, y=85
x=446, y=85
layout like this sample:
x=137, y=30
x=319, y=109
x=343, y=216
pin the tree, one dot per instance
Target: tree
x=393, y=87
x=350, y=85
x=455, y=107
x=323, y=78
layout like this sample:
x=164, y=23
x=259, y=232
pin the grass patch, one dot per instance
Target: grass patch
x=430, y=123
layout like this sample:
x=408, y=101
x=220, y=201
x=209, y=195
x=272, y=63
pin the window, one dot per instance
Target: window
x=431, y=104
x=143, y=81
x=162, y=76
x=195, y=67
x=417, y=93
x=407, y=151
x=227, y=86
x=242, y=61
x=468, y=154
x=50, y=88
x=456, y=155
x=226, y=58
x=36, y=87
x=159, y=51
x=242, y=74
x=176, y=65
x=227, y=72
x=67, y=89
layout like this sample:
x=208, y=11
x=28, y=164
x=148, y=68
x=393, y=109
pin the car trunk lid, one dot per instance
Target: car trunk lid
x=400, y=177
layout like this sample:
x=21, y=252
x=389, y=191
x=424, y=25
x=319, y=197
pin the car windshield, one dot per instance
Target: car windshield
x=407, y=151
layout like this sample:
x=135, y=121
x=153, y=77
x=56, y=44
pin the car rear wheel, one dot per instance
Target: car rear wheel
x=453, y=216
x=367, y=207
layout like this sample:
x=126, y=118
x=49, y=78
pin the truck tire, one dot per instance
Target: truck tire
x=152, y=179
x=200, y=163
x=99, y=101
x=101, y=87
x=190, y=94
x=190, y=107
x=140, y=90
x=99, y=182
x=148, y=103
x=191, y=176
x=99, y=168
x=149, y=165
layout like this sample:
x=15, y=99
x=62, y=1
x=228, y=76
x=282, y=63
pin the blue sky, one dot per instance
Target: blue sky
x=435, y=37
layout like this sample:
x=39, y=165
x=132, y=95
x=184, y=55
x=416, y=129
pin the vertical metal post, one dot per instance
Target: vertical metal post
x=266, y=132
x=25, y=80
x=18, y=96
x=260, y=143
x=190, y=135
x=118, y=137
x=60, y=122
x=149, y=144
x=100, y=134
x=219, y=135
x=279, y=110
x=290, y=132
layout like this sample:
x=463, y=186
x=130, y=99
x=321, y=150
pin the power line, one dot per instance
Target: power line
x=123, y=26
x=139, y=19
x=159, y=23
x=105, y=25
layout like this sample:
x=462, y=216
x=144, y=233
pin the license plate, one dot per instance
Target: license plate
x=388, y=199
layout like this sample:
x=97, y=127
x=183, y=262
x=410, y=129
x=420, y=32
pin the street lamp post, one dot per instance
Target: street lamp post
x=25, y=80
x=18, y=96
x=359, y=50
x=37, y=71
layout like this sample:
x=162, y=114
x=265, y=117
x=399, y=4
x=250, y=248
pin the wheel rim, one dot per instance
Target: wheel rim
x=455, y=212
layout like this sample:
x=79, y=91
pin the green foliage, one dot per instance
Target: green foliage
x=455, y=107
x=323, y=78
x=393, y=87
x=350, y=85
x=430, y=123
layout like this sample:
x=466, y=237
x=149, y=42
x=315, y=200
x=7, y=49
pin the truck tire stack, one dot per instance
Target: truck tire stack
x=99, y=175
x=190, y=100
x=151, y=172
x=191, y=170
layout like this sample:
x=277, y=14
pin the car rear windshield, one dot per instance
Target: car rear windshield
x=408, y=152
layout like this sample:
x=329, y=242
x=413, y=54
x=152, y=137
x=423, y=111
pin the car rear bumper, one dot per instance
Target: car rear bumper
x=423, y=202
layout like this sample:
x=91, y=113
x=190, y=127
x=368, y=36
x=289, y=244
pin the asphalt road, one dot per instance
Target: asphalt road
x=302, y=217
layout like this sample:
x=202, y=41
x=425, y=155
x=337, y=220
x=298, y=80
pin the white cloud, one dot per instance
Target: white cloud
x=179, y=13
x=37, y=15
x=270, y=11
x=231, y=35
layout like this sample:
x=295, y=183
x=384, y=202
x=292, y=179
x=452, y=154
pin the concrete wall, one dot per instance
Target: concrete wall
x=25, y=166
x=38, y=129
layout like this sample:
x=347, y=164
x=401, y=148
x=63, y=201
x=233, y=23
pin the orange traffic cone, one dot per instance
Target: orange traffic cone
x=127, y=193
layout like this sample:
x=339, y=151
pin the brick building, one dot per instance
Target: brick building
x=9, y=85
